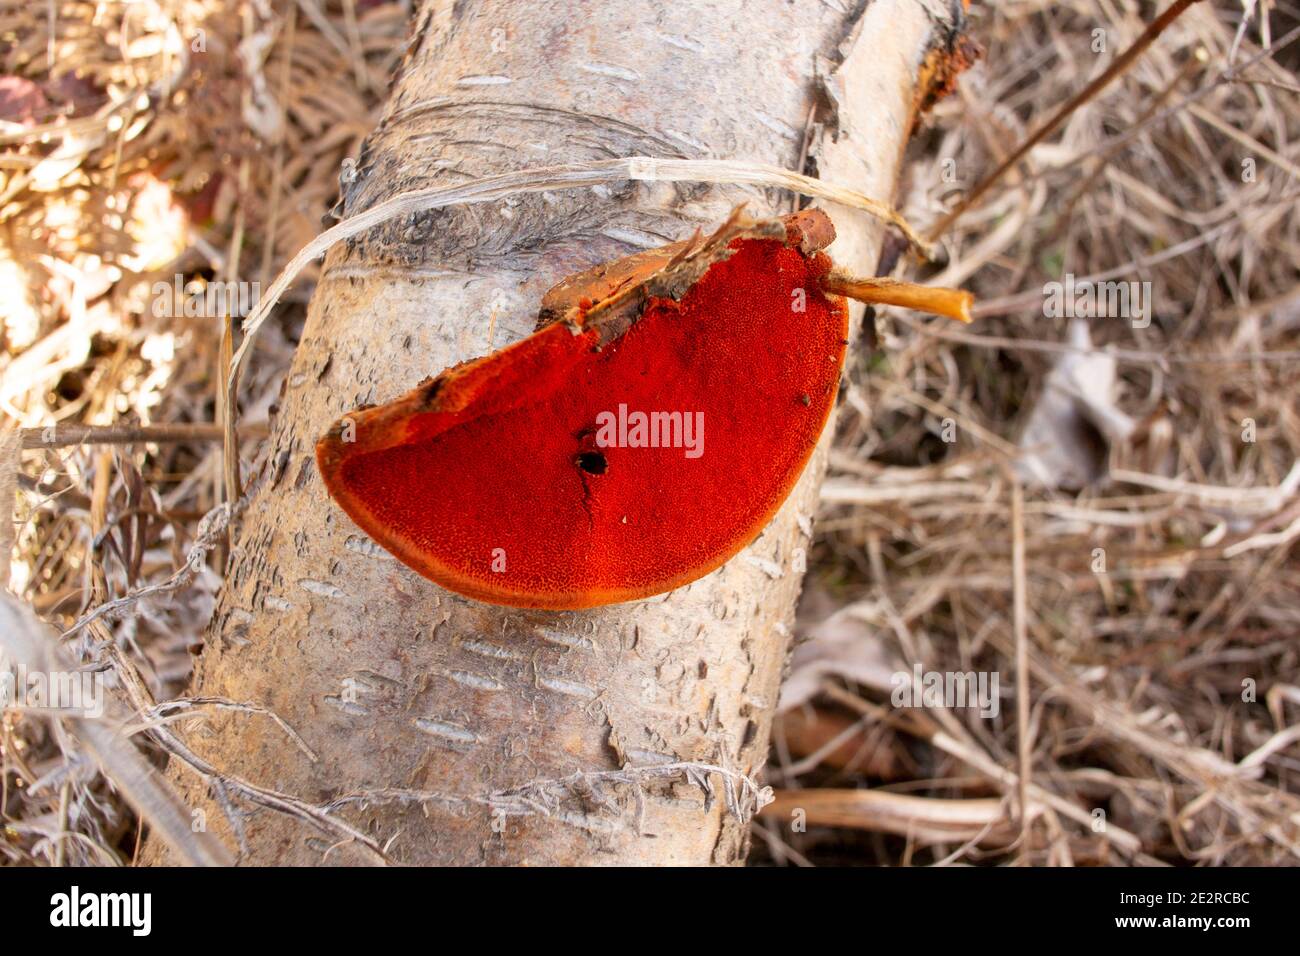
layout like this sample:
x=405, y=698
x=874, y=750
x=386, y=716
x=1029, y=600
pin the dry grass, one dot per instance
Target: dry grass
x=207, y=145
x=144, y=157
x=1136, y=673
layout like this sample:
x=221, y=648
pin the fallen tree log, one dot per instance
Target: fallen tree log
x=448, y=731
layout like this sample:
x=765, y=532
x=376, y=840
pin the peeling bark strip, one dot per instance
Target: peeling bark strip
x=435, y=717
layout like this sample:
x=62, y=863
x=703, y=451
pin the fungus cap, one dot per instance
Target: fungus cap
x=642, y=436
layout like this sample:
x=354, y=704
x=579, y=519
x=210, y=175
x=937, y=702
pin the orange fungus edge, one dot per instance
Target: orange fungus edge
x=382, y=479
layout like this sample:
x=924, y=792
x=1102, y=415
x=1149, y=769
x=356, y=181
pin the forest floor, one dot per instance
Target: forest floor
x=1111, y=498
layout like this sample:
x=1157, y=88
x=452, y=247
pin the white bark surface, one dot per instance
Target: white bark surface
x=493, y=735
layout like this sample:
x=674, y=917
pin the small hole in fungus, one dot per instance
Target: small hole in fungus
x=592, y=462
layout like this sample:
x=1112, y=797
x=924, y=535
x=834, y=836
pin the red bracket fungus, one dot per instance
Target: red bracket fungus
x=645, y=433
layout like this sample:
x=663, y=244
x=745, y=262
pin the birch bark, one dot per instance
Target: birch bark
x=486, y=735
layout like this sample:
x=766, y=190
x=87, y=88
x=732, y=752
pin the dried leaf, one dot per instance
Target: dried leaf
x=1067, y=440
